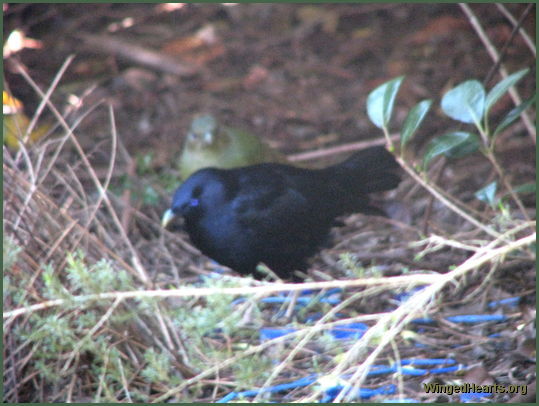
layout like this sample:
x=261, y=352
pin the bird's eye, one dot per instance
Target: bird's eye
x=197, y=191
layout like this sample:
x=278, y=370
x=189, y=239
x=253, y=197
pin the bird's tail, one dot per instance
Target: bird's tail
x=370, y=170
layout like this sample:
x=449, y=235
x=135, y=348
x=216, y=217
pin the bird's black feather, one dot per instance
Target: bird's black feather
x=277, y=214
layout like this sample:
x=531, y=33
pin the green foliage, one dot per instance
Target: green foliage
x=10, y=256
x=144, y=163
x=348, y=261
x=413, y=120
x=381, y=100
x=466, y=102
x=252, y=371
x=513, y=115
x=61, y=333
x=53, y=288
x=469, y=103
x=453, y=145
x=83, y=279
x=354, y=269
x=143, y=187
x=10, y=251
x=52, y=335
x=55, y=336
x=499, y=90
x=380, y=103
x=214, y=314
x=526, y=188
x=488, y=194
x=159, y=368
x=96, y=278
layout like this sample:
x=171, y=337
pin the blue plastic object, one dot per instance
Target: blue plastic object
x=305, y=381
x=271, y=333
x=510, y=301
x=473, y=397
x=362, y=393
x=350, y=330
x=465, y=319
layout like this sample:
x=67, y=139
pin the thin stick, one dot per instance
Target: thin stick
x=445, y=200
x=392, y=323
x=46, y=199
x=306, y=339
x=420, y=279
x=92, y=331
x=259, y=348
x=45, y=98
x=354, y=146
x=527, y=40
x=495, y=57
x=505, y=46
x=141, y=275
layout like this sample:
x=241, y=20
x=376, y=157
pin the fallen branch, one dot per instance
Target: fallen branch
x=421, y=279
x=138, y=54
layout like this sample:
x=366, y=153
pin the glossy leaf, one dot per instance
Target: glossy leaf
x=525, y=188
x=452, y=145
x=514, y=114
x=413, y=121
x=381, y=100
x=466, y=102
x=488, y=194
x=501, y=88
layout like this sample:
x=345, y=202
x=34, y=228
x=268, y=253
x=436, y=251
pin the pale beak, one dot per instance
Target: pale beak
x=167, y=218
x=208, y=138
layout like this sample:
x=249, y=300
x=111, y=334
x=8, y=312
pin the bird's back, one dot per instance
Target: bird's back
x=279, y=214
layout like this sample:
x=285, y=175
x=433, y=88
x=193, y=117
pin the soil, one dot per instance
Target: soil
x=298, y=77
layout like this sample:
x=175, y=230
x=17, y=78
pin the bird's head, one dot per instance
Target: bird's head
x=203, y=131
x=202, y=191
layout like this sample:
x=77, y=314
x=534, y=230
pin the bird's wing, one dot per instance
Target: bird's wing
x=268, y=201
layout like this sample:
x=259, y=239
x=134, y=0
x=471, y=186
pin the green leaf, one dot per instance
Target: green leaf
x=381, y=100
x=513, y=115
x=453, y=145
x=466, y=102
x=488, y=194
x=150, y=196
x=523, y=189
x=501, y=88
x=413, y=121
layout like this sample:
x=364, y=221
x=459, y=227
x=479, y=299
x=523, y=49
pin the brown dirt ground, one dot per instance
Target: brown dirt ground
x=298, y=77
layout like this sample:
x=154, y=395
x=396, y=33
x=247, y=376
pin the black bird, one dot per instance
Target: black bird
x=277, y=214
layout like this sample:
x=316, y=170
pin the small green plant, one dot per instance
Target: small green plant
x=350, y=263
x=214, y=314
x=159, y=368
x=59, y=339
x=144, y=187
x=10, y=253
x=468, y=103
x=252, y=371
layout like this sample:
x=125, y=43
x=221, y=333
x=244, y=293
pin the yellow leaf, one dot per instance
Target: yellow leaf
x=15, y=123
